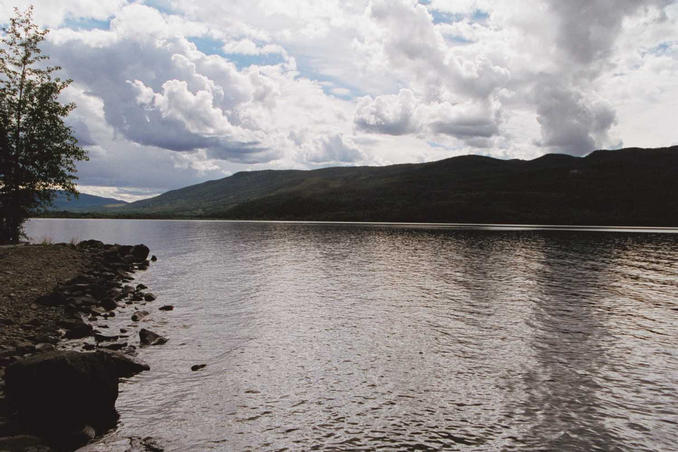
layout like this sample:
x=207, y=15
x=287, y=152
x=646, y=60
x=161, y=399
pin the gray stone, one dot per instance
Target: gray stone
x=148, y=337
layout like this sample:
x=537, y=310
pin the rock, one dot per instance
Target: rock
x=153, y=258
x=114, y=346
x=139, y=315
x=91, y=244
x=140, y=252
x=58, y=393
x=167, y=307
x=23, y=347
x=137, y=296
x=141, y=287
x=102, y=338
x=149, y=297
x=126, y=366
x=23, y=443
x=108, y=304
x=198, y=367
x=146, y=444
x=148, y=337
x=44, y=347
x=84, y=300
x=124, y=250
x=52, y=299
x=78, y=330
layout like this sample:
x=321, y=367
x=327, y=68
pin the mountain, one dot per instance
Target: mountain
x=83, y=203
x=623, y=187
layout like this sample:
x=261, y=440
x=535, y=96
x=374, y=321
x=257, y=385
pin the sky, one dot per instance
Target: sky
x=171, y=93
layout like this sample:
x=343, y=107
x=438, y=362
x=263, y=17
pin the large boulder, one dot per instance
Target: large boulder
x=57, y=394
x=140, y=252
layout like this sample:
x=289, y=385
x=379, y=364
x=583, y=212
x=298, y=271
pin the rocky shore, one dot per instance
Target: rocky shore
x=59, y=374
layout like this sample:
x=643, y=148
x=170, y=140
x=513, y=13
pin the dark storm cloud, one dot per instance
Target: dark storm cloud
x=570, y=123
x=81, y=132
x=571, y=120
x=588, y=28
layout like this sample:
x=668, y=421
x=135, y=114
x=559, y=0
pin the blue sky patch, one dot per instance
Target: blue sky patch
x=86, y=23
x=164, y=6
x=440, y=17
x=210, y=46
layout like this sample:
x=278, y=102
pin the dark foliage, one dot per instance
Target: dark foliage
x=37, y=150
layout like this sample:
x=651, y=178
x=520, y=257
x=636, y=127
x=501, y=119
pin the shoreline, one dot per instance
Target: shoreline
x=52, y=300
x=409, y=225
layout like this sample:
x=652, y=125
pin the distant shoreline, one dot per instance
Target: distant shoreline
x=406, y=224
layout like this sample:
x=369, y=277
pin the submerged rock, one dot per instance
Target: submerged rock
x=139, y=315
x=198, y=367
x=148, y=337
x=167, y=307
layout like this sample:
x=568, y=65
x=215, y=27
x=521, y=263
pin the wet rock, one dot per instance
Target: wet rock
x=108, y=304
x=114, y=346
x=139, y=315
x=167, y=307
x=148, y=337
x=149, y=297
x=141, y=287
x=153, y=258
x=196, y=367
x=102, y=338
x=56, y=393
x=126, y=366
x=77, y=330
x=137, y=296
x=146, y=444
x=140, y=252
x=84, y=435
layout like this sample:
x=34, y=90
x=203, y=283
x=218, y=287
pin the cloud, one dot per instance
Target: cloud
x=390, y=114
x=588, y=29
x=249, y=47
x=333, y=150
x=364, y=82
x=570, y=121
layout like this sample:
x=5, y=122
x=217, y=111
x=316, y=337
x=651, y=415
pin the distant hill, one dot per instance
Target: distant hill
x=623, y=187
x=83, y=203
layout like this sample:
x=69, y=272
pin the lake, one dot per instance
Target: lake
x=350, y=336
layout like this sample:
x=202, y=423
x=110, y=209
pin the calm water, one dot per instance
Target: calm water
x=348, y=337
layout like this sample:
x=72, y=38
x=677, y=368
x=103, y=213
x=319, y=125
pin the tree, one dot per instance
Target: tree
x=38, y=151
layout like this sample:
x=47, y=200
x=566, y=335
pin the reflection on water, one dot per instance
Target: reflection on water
x=348, y=336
